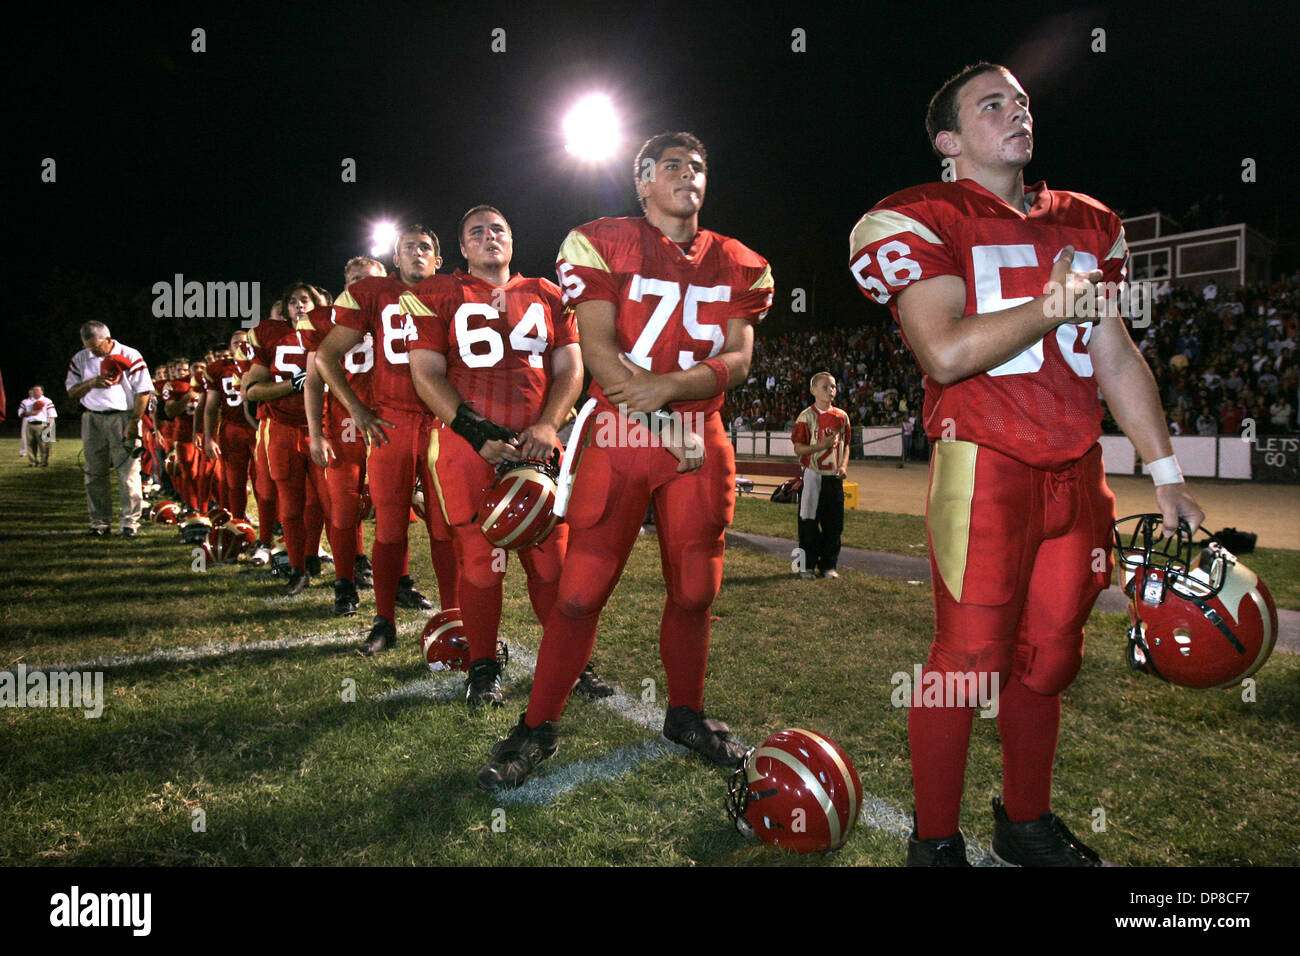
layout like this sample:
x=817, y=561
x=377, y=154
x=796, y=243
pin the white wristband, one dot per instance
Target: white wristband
x=1165, y=471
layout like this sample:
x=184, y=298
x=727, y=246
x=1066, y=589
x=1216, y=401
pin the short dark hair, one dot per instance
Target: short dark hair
x=415, y=229
x=483, y=207
x=941, y=114
x=654, y=148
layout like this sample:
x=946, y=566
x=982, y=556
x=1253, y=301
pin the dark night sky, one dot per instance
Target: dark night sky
x=226, y=164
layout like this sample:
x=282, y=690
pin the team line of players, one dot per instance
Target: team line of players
x=442, y=377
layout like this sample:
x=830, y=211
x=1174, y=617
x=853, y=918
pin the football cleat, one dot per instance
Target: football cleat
x=363, y=574
x=518, y=510
x=382, y=637
x=408, y=597
x=261, y=555
x=514, y=758
x=483, y=685
x=312, y=565
x=799, y=791
x=417, y=499
x=298, y=580
x=1042, y=842
x=1199, y=617
x=591, y=686
x=346, y=599
x=941, y=851
x=705, y=735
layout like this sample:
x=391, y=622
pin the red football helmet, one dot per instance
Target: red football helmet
x=166, y=512
x=113, y=367
x=247, y=533
x=1200, y=618
x=218, y=516
x=799, y=791
x=366, y=507
x=518, y=511
x=172, y=463
x=222, y=545
x=445, y=646
x=195, y=529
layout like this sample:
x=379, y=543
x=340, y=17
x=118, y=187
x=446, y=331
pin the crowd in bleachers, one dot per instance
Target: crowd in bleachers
x=1219, y=358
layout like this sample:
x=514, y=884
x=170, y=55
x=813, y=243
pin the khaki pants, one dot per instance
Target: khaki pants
x=38, y=445
x=106, y=453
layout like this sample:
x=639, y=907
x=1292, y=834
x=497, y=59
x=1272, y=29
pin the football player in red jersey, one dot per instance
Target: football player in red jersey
x=501, y=348
x=665, y=315
x=1019, y=512
x=227, y=436
x=277, y=377
x=178, y=398
x=392, y=419
x=336, y=445
x=263, y=485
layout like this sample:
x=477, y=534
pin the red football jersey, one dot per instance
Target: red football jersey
x=182, y=424
x=371, y=305
x=279, y=348
x=224, y=375
x=357, y=361
x=501, y=362
x=811, y=427
x=673, y=304
x=1041, y=406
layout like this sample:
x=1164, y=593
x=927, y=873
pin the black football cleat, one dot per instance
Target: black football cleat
x=591, y=686
x=312, y=561
x=514, y=758
x=346, y=600
x=298, y=579
x=383, y=636
x=705, y=735
x=408, y=597
x=1042, y=842
x=129, y=532
x=363, y=574
x=941, y=851
x=483, y=685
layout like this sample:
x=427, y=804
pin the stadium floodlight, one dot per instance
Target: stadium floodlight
x=591, y=128
x=382, y=238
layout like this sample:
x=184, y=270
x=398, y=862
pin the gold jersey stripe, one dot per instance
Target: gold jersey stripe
x=303, y=324
x=764, y=281
x=952, y=486
x=1120, y=249
x=578, y=250
x=412, y=304
x=884, y=223
x=345, y=301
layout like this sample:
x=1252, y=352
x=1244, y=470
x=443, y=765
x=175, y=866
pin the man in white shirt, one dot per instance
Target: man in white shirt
x=37, y=415
x=112, y=383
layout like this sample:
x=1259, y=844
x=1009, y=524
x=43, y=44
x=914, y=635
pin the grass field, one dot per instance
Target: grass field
x=254, y=716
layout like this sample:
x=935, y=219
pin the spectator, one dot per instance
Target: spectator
x=37, y=414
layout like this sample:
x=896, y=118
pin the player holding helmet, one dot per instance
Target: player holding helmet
x=665, y=314
x=1019, y=512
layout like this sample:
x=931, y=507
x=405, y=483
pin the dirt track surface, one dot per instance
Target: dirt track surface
x=1271, y=511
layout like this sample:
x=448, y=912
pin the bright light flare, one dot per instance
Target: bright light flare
x=591, y=128
x=382, y=238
